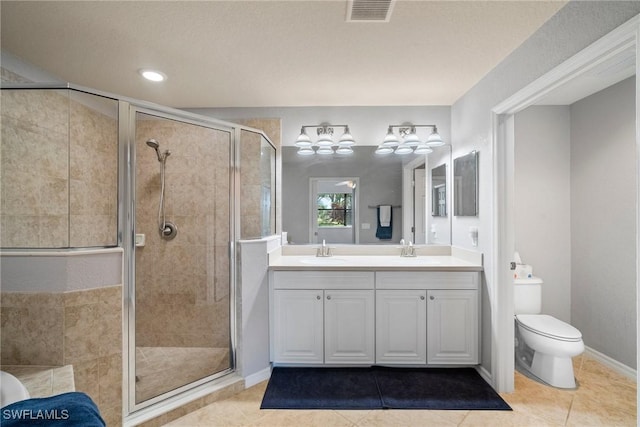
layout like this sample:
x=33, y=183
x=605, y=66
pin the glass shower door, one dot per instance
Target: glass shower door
x=182, y=262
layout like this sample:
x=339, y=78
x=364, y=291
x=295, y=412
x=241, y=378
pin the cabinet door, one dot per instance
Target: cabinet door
x=298, y=329
x=349, y=326
x=452, y=327
x=401, y=326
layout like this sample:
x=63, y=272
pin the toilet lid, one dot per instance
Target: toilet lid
x=549, y=326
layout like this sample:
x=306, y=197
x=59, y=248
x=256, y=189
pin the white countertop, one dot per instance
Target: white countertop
x=373, y=262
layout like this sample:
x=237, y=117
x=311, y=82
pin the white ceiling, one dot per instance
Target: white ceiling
x=271, y=53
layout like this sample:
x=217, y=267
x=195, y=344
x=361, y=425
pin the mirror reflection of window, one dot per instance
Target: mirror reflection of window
x=333, y=203
x=335, y=209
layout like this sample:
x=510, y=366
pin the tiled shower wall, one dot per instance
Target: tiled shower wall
x=182, y=285
x=58, y=170
x=255, y=173
x=93, y=176
x=80, y=328
x=250, y=185
x=67, y=310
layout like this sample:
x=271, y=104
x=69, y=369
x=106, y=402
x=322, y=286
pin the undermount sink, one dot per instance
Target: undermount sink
x=415, y=261
x=324, y=261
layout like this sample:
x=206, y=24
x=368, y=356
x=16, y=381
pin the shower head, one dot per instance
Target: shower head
x=156, y=146
x=153, y=144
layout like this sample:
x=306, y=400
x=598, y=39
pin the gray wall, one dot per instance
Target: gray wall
x=575, y=195
x=380, y=184
x=603, y=221
x=573, y=28
x=542, y=202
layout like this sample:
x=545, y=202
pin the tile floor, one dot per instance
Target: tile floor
x=604, y=398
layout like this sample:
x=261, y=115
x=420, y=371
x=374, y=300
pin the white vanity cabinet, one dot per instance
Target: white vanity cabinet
x=401, y=326
x=452, y=326
x=298, y=332
x=389, y=317
x=349, y=321
x=323, y=317
x=427, y=317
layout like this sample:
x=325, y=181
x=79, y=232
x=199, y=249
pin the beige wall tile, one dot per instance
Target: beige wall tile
x=80, y=328
x=58, y=157
x=32, y=328
x=176, y=280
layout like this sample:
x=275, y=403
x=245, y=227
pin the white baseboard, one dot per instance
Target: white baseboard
x=620, y=368
x=258, y=377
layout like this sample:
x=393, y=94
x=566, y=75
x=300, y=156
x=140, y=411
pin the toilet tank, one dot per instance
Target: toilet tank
x=527, y=295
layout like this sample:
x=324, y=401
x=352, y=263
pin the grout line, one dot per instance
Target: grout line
x=566, y=420
x=465, y=418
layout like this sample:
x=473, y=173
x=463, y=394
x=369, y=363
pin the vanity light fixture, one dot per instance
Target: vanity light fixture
x=324, y=144
x=410, y=142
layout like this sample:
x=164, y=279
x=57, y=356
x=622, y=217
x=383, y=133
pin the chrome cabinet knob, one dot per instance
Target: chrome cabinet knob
x=432, y=297
x=422, y=297
x=328, y=296
x=318, y=297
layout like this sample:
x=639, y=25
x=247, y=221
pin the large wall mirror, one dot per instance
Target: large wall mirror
x=358, y=184
x=465, y=178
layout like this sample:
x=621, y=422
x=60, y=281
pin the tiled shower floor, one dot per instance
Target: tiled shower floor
x=160, y=369
x=604, y=398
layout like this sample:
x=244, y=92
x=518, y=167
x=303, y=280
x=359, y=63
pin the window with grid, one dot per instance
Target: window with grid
x=335, y=209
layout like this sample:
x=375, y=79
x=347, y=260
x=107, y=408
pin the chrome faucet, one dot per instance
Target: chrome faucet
x=407, y=250
x=323, y=250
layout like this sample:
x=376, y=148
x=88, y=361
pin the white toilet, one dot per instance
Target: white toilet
x=544, y=344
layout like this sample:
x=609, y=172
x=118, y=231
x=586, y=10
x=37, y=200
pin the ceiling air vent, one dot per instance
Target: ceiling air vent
x=369, y=10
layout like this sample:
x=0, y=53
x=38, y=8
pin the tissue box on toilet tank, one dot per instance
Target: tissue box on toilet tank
x=523, y=271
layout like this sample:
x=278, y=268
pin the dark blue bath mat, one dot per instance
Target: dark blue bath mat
x=321, y=388
x=380, y=388
x=436, y=388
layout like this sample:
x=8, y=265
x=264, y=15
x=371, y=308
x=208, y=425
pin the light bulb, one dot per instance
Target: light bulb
x=404, y=149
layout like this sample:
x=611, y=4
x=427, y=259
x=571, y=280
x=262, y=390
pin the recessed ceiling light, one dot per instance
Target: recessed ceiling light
x=154, y=76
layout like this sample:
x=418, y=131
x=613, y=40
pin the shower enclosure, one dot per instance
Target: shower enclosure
x=182, y=228
x=174, y=189
x=193, y=194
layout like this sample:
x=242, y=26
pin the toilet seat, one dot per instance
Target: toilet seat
x=549, y=326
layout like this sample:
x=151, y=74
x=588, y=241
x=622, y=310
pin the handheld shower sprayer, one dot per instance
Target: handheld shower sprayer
x=167, y=229
x=156, y=146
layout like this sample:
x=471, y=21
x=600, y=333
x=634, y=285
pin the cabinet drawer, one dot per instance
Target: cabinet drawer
x=323, y=279
x=426, y=280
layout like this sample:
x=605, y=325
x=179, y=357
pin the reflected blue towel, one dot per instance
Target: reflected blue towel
x=384, y=233
x=67, y=409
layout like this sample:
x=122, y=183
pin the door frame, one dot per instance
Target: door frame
x=426, y=204
x=408, y=196
x=502, y=347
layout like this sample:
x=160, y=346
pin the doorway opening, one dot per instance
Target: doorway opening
x=575, y=77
